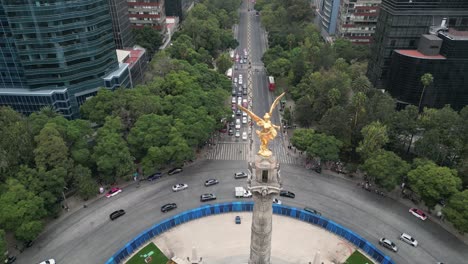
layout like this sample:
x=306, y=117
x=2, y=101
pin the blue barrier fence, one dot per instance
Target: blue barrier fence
x=214, y=209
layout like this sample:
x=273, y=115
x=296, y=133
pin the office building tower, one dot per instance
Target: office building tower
x=443, y=54
x=55, y=53
x=178, y=8
x=328, y=15
x=149, y=13
x=400, y=26
x=121, y=28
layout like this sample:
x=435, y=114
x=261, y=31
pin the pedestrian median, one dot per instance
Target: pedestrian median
x=244, y=208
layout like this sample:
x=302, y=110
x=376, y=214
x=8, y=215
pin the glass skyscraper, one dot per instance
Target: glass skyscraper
x=54, y=52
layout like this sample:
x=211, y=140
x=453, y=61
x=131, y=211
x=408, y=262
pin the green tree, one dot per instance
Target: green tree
x=87, y=186
x=403, y=126
x=325, y=147
x=375, y=137
x=433, y=183
x=21, y=211
x=302, y=138
x=426, y=80
x=51, y=151
x=223, y=62
x=456, y=211
x=337, y=122
x=148, y=38
x=386, y=168
x=358, y=105
x=111, y=153
x=3, y=245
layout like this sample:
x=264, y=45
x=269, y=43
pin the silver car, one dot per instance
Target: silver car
x=408, y=239
x=388, y=244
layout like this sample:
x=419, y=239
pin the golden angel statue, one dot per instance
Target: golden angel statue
x=268, y=131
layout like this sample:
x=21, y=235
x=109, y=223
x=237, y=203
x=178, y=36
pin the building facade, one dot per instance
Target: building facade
x=54, y=52
x=357, y=20
x=147, y=13
x=328, y=16
x=400, y=25
x=445, y=56
x=121, y=28
x=178, y=8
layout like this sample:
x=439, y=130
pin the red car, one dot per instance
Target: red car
x=418, y=213
x=113, y=191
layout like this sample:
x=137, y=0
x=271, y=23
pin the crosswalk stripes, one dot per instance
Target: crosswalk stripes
x=240, y=151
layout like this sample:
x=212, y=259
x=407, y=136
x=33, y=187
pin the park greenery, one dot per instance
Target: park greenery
x=343, y=117
x=155, y=126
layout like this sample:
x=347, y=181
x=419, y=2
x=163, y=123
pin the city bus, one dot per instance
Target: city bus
x=271, y=83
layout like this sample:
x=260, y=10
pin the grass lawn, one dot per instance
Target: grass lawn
x=150, y=250
x=358, y=258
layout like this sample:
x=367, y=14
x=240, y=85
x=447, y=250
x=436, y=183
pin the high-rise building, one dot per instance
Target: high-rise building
x=55, y=52
x=357, y=20
x=121, y=28
x=401, y=24
x=178, y=8
x=328, y=13
x=443, y=54
x=147, y=13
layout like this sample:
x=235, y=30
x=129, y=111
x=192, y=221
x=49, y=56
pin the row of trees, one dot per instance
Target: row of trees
x=151, y=127
x=347, y=118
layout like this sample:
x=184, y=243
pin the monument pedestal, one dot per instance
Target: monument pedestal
x=264, y=183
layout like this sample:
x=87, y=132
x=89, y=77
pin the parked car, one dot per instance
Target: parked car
x=277, y=201
x=311, y=210
x=418, y=213
x=239, y=100
x=233, y=100
x=230, y=132
x=154, y=176
x=116, y=214
x=240, y=80
x=240, y=175
x=237, y=133
x=49, y=261
x=235, y=80
x=244, y=120
x=168, y=207
x=239, y=93
x=408, y=239
x=238, y=220
x=179, y=187
x=207, y=197
x=238, y=112
x=287, y=194
x=238, y=123
x=244, y=135
x=10, y=260
x=175, y=171
x=244, y=102
x=388, y=244
x=211, y=182
x=113, y=192
x=244, y=91
x=234, y=92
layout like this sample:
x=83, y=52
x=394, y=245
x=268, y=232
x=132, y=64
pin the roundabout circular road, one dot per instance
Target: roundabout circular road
x=88, y=236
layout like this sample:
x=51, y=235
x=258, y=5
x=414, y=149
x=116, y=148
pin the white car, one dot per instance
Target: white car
x=244, y=120
x=235, y=79
x=233, y=100
x=50, y=261
x=408, y=239
x=244, y=135
x=240, y=80
x=239, y=100
x=238, y=123
x=276, y=201
x=244, y=113
x=240, y=76
x=237, y=133
x=179, y=187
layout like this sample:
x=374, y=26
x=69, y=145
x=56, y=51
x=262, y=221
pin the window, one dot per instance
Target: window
x=265, y=176
x=392, y=43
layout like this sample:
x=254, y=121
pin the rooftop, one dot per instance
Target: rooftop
x=455, y=34
x=417, y=54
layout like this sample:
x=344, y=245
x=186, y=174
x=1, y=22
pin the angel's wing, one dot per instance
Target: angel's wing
x=252, y=115
x=275, y=103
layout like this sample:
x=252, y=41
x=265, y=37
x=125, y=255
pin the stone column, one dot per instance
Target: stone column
x=264, y=183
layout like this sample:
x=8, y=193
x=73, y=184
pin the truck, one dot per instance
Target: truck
x=241, y=192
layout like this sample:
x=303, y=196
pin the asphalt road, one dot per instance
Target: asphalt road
x=88, y=236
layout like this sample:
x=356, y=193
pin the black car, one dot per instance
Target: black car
x=10, y=260
x=239, y=93
x=117, y=214
x=287, y=194
x=311, y=210
x=244, y=91
x=211, y=182
x=207, y=197
x=238, y=112
x=154, y=176
x=234, y=92
x=174, y=171
x=167, y=207
x=230, y=132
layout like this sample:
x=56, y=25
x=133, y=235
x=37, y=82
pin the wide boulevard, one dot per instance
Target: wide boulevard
x=88, y=236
